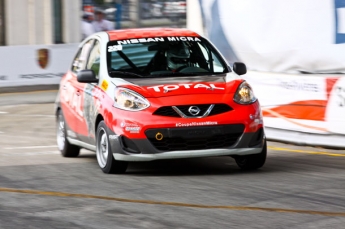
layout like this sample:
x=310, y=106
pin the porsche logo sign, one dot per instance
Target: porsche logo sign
x=43, y=57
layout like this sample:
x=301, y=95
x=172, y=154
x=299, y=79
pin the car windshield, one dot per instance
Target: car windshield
x=163, y=56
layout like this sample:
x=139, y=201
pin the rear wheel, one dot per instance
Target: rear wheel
x=66, y=148
x=104, y=153
x=251, y=162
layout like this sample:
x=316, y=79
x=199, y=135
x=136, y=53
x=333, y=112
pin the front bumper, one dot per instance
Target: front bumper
x=227, y=140
x=186, y=154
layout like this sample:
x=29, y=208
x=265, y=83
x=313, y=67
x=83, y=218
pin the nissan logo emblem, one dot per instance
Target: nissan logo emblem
x=194, y=110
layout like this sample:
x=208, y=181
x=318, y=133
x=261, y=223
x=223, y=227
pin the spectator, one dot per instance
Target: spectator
x=101, y=24
x=86, y=26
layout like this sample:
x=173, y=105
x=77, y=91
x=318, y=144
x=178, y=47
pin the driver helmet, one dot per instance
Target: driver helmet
x=178, y=56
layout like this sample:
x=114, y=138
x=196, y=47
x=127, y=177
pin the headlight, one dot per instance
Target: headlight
x=129, y=100
x=244, y=94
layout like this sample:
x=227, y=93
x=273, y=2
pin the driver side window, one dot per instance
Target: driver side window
x=79, y=61
x=94, y=58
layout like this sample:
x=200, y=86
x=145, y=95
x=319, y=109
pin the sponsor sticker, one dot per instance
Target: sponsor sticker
x=104, y=85
x=133, y=129
x=130, y=127
x=208, y=123
x=112, y=137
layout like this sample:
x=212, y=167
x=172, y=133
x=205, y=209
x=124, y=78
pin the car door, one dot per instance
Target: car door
x=86, y=126
x=73, y=93
x=68, y=98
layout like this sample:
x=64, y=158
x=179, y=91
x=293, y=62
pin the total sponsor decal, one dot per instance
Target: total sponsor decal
x=208, y=123
x=172, y=87
x=130, y=127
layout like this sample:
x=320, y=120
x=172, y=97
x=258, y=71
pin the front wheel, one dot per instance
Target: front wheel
x=104, y=153
x=251, y=162
x=65, y=147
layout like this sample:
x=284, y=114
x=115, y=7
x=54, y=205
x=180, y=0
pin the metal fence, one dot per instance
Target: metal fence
x=143, y=13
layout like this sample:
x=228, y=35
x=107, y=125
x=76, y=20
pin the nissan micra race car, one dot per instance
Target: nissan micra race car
x=149, y=94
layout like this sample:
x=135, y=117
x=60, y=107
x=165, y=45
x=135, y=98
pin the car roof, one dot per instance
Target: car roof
x=149, y=32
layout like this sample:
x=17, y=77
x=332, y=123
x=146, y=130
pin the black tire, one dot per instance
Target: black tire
x=251, y=162
x=65, y=147
x=105, y=158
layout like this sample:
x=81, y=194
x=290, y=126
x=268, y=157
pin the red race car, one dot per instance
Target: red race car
x=149, y=94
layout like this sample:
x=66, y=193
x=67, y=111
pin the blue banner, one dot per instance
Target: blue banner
x=339, y=21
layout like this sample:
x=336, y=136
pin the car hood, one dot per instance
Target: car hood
x=172, y=86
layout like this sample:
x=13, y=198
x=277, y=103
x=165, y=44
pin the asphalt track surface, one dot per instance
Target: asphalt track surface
x=299, y=187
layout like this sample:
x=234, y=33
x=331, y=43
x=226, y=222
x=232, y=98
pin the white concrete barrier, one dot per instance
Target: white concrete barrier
x=35, y=64
x=302, y=108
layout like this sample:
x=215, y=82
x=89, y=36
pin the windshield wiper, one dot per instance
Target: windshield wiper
x=124, y=73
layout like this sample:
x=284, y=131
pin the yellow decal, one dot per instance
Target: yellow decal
x=104, y=85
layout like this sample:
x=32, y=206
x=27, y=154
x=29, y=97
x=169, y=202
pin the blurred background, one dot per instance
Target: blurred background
x=24, y=22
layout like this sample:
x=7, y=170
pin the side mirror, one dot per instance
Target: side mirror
x=87, y=76
x=240, y=68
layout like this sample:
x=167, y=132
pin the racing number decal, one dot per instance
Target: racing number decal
x=114, y=48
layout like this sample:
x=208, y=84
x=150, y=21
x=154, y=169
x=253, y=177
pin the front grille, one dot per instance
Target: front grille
x=166, y=111
x=220, y=108
x=200, y=137
x=170, y=112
